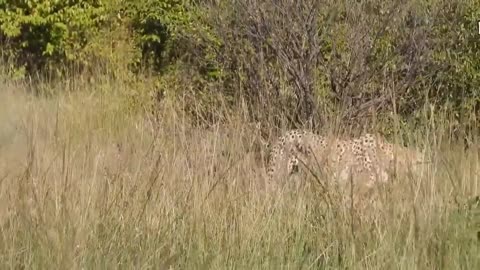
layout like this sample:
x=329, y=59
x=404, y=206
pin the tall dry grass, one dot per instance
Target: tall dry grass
x=87, y=184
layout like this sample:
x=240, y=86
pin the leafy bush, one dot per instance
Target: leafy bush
x=155, y=23
x=177, y=43
x=276, y=60
x=41, y=33
x=358, y=60
x=454, y=68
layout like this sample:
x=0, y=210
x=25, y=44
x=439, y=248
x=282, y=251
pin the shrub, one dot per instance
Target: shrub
x=282, y=63
x=38, y=34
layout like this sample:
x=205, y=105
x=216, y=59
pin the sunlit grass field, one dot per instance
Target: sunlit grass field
x=88, y=183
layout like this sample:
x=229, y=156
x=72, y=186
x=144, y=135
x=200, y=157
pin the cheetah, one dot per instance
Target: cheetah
x=369, y=156
x=336, y=156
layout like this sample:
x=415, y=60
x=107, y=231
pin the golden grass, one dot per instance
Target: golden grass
x=84, y=184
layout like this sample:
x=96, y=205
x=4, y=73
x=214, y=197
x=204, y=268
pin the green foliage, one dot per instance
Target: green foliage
x=175, y=41
x=38, y=33
x=167, y=30
x=155, y=23
x=455, y=64
x=373, y=56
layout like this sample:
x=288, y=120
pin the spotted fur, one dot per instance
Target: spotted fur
x=369, y=156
